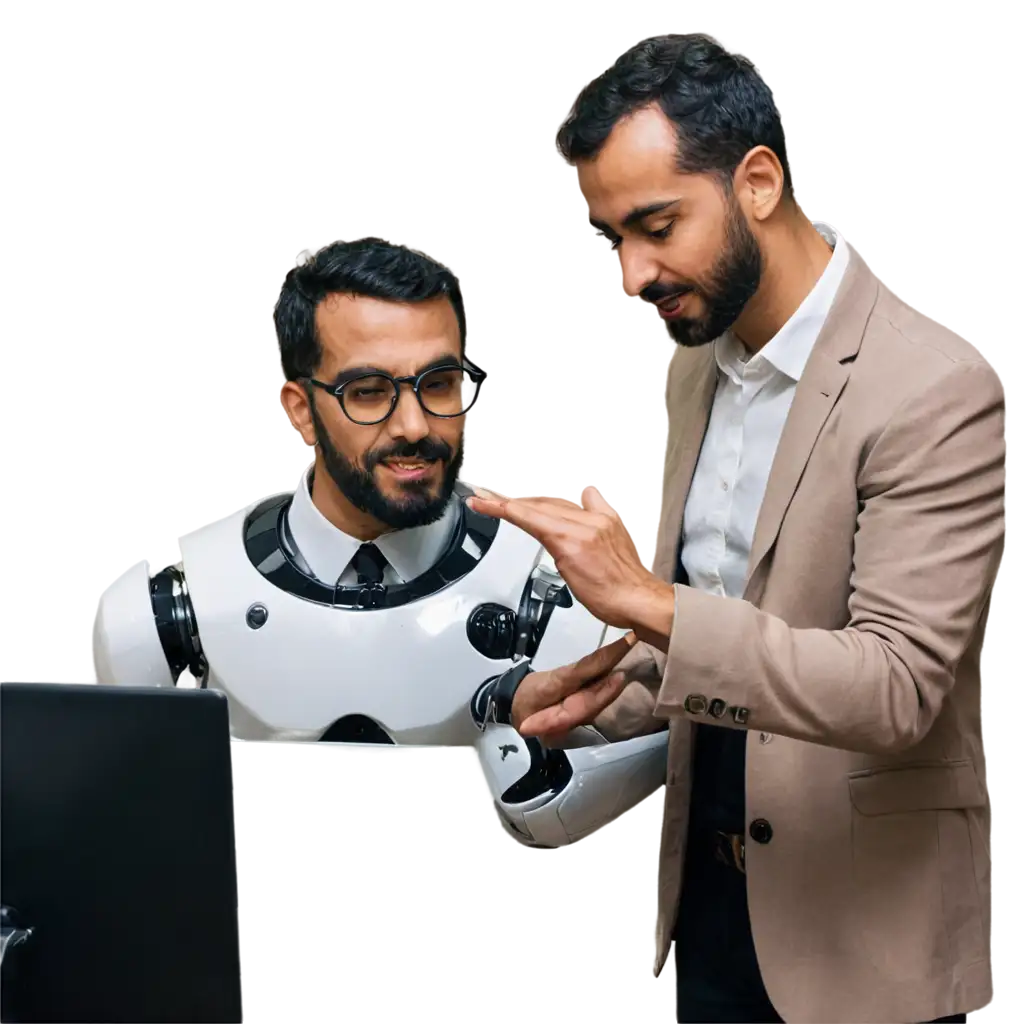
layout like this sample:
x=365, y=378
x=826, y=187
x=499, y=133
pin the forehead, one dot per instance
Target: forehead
x=356, y=330
x=636, y=167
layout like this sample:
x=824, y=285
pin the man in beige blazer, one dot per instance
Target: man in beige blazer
x=831, y=527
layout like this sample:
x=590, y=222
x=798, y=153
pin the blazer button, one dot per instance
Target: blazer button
x=718, y=708
x=696, y=704
x=760, y=831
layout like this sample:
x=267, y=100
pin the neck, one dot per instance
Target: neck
x=338, y=510
x=795, y=257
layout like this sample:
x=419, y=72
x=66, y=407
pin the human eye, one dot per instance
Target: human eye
x=604, y=237
x=367, y=389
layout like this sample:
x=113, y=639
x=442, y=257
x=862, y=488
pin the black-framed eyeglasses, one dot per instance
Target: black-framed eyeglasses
x=447, y=391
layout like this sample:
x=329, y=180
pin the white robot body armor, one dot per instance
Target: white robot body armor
x=302, y=660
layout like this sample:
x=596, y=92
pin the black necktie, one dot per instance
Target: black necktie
x=369, y=564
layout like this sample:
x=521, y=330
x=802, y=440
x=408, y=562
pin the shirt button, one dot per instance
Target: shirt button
x=725, y=485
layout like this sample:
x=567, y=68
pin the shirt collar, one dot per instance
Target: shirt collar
x=790, y=349
x=328, y=550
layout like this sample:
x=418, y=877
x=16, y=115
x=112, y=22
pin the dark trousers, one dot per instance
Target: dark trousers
x=717, y=976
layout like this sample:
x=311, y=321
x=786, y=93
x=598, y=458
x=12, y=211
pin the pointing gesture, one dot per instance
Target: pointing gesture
x=594, y=554
x=551, y=703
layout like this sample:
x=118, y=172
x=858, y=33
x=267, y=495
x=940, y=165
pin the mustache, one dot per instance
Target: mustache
x=658, y=292
x=426, y=448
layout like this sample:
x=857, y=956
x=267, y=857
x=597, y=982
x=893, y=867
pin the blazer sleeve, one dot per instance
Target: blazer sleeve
x=926, y=550
x=632, y=713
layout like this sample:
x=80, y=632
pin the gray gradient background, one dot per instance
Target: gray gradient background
x=160, y=165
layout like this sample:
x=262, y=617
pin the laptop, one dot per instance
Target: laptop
x=117, y=855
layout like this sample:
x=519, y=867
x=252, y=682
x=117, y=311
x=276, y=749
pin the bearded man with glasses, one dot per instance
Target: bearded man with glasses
x=372, y=604
x=372, y=346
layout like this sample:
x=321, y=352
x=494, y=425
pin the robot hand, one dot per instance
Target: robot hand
x=548, y=797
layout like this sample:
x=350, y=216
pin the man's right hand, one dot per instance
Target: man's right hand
x=549, y=704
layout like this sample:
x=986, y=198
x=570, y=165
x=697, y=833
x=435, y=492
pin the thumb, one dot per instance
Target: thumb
x=594, y=502
x=599, y=663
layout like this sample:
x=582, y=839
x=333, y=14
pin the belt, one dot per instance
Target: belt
x=729, y=848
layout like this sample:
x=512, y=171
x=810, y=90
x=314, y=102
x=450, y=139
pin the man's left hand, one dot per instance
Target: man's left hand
x=595, y=555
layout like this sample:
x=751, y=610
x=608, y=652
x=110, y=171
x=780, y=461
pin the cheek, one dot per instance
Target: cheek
x=693, y=251
x=451, y=434
x=352, y=442
x=374, y=441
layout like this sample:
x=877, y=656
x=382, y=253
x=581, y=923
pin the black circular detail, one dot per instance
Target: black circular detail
x=264, y=533
x=176, y=623
x=356, y=729
x=256, y=616
x=491, y=629
x=760, y=831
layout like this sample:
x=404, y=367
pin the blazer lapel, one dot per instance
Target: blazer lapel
x=689, y=411
x=817, y=392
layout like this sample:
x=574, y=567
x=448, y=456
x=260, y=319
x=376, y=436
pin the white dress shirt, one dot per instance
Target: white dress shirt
x=751, y=404
x=329, y=552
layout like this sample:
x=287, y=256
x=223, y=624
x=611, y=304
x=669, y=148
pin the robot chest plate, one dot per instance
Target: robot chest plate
x=411, y=669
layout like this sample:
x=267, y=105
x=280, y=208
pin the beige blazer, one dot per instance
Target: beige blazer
x=853, y=664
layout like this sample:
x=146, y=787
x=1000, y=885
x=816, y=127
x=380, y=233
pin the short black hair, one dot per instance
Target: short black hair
x=368, y=266
x=720, y=105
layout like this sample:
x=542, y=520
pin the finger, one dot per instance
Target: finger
x=590, y=668
x=593, y=501
x=557, y=507
x=541, y=525
x=579, y=708
x=490, y=495
x=481, y=501
x=550, y=689
x=563, y=510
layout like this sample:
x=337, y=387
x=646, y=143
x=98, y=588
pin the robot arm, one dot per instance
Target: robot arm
x=547, y=797
x=145, y=632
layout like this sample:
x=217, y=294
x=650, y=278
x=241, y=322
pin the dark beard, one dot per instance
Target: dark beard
x=734, y=281
x=419, y=507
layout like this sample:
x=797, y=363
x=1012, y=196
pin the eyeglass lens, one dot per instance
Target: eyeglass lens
x=445, y=392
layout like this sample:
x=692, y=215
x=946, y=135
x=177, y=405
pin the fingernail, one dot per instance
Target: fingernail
x=630, y=638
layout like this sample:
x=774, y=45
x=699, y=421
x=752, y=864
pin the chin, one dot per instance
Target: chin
x=688, y=333
x=412, y=497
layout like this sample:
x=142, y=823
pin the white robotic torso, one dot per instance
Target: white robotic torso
x=411, y=669
x=297, y=659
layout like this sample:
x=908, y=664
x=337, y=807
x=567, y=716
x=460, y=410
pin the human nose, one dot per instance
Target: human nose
x=638, y=270
x=408, y=421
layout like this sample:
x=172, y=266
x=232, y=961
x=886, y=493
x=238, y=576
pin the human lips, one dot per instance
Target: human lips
x=409, y=469
x=671, y=306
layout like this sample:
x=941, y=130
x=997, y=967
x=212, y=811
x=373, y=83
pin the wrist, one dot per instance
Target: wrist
x=494, y=699
x=651, y=613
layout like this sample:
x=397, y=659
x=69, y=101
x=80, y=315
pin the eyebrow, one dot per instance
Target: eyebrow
x=360, y=371
x=636, y=215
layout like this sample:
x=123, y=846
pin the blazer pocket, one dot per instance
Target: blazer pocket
x=942, y=785
x=917, y=895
